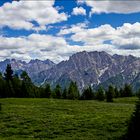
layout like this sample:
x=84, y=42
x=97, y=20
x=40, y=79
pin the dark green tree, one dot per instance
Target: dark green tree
x=16, y=82
x=27, y=88
x=47, y=91
x=100, y=94
x=73, y=92
x=128, y=90
x=117, y=93
x=8, y=73
x=38, y=91
x=110, y=93
x=24, y=91
x=87, y=94
x=24, y=76
x=65, y=93
x=121, y=91
x=57, y=91
x=2, y=87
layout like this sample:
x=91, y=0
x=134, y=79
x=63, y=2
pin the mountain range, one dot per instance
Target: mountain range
x=85, y=68
x=32, y=67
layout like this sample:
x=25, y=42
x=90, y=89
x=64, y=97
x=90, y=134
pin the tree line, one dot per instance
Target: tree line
x=108, y=95
x=21, y=86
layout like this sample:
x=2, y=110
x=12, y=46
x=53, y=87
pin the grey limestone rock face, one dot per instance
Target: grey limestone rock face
x=93, y=68
x=85, y=68
x=32, y=68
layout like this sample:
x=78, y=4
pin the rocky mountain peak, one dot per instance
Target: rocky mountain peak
x=33, y=67
x=92, y=68
x=85, y=68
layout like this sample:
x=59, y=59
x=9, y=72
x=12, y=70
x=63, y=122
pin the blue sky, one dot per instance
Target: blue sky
x=57, y=29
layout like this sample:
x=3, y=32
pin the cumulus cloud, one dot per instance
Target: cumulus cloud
x=36, y=45
x=35, y=15
x=94, y=36
x=110, y=6
x=73, y=29
x=128, y=34
x=127, y=44
x=22, y=14
x=107, y=38
x=79, y=11
x=121, y=40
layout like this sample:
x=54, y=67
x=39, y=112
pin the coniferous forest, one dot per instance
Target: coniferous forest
x=21, y=86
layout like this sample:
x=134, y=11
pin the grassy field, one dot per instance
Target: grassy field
x=44, y=119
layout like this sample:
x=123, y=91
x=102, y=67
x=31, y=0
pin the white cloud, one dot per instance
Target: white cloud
x=110, y=6
x=94, y=36
x=22, y=14
x=79, y=11
x=73, y=29
x=127, y=44
x=121, y=40
x=41, y=46
x=125, y=39
x=128, y=34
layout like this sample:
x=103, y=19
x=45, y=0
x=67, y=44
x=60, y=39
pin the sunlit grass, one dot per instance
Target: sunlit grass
x=64, y=119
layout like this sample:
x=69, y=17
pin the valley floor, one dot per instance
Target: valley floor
x=64, y=119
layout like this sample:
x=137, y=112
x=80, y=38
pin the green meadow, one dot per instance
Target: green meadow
x=44, y=119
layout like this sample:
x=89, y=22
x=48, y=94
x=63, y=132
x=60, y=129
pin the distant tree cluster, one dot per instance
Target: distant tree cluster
x=108, y=95
x=21, y=86
x=71, y=92
x=12, y=85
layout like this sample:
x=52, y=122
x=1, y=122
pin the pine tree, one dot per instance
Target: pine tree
x=9, y=91
x=64, y=94
x=100, y=95
x=2, y=87
x=121, y=92
x=47, y=91
x=128, y=90
x=110, y=93
x=87, y=94
x=24, y=91
x=8, y=73
x=57, y=91
x=27, y=88
x=117, y=93
x=24, y=76
x=73, y=92
x=16, y=82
